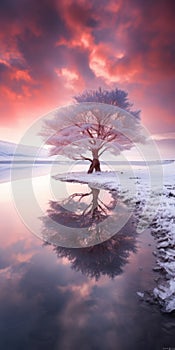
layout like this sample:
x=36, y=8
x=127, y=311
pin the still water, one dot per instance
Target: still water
x=53, y=296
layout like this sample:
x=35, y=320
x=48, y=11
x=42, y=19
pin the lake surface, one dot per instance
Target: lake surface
x=52, y=297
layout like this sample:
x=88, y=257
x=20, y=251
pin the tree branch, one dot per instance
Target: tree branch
x=103, y=151
x=85, y=158
x=81, y=195
x=89, y=133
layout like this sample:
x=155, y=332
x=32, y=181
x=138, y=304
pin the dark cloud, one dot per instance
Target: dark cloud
x=83, y=14
x=3, y=68
x=17, y=63
x=11, y=9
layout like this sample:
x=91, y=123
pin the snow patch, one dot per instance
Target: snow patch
x=163, y=229
x=140, y=294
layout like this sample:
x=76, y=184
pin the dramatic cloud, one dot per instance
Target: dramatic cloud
x=52, y=50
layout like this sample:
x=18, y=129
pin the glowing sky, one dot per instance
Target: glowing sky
x=51, y=50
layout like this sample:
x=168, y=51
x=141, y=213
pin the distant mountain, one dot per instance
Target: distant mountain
x=24, y=153
x=28, y=154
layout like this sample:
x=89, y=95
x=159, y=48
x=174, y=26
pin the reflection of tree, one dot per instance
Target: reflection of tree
x=90, y=213
x=82, y=219
x=87, y=213
x=107, y=258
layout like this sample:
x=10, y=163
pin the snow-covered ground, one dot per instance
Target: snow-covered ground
x=152, y=192
x=163, y=229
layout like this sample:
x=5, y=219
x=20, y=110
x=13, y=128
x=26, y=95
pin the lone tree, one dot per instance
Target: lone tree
x=84, y=131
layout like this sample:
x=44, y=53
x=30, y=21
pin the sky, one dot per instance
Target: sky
x=52, y=50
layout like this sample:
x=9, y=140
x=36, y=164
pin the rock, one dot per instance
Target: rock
x=170, y=194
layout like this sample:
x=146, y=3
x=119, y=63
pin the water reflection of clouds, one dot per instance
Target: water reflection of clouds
x=47, y=305
x=30, y=308
x=36, y=297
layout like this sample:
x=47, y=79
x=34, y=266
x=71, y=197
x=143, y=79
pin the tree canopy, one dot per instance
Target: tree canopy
x=115, y=97
x=87, y=130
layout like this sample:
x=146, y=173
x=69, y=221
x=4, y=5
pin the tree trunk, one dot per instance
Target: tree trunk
x=95, y=165
x=95, y=204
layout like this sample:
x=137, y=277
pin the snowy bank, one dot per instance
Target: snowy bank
x=108, y=180
x=163, y=229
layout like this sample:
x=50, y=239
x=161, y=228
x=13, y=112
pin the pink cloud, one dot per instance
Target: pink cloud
x=51, y=52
